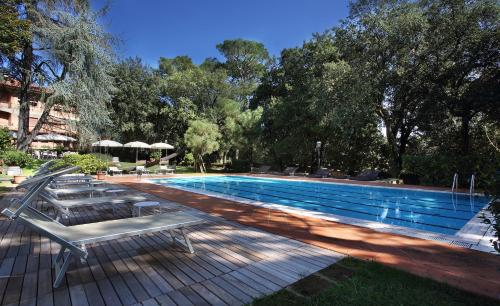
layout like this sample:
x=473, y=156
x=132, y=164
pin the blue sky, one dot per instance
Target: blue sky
x=153, y=28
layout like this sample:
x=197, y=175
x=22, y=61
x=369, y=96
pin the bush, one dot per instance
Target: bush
x=155, y=155
x=5, y=140
x=17, y=158
x=239, y=165
x=438, y=170
x=188, y=160
x=88, y=163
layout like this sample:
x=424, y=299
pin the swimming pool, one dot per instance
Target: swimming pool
x=438, y=212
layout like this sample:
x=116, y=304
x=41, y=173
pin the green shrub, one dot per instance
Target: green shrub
x=17, y=158
x=5, y=140
x=88, y=163
x=438, y=170
x=156, y=154
x=188, y=160
x=239, y=165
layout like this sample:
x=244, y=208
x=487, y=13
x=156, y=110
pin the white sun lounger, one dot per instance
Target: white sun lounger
x=74, y=190
x=74, y=238
x=64, y=206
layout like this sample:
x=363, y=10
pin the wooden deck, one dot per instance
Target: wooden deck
x=233, y=264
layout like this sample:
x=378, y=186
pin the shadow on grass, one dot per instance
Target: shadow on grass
x=356, y=282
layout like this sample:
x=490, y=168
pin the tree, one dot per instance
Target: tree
x=246, y=62
x=463, y=56
x=311, y=96
x=69, y=54
x=14, y=31
x=136, y=106
x=384, y=45
x=181, y=63
x=202, y=137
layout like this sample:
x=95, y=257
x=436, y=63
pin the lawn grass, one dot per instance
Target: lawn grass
x=356, y=282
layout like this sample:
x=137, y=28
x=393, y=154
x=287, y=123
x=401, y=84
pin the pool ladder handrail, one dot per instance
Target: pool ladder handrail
x=454, y=184
x=472, y=188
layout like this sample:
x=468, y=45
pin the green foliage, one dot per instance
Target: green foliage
x=239, y=166
x=188, y=159
x=5, y=140
x=246, y=62
x=74, y=65
x=136, y=102
x=155, y=154
x=88, y=163
x=438, y=170
x=14, y=31
x=202, y=137
x=17, y=158
x=313, y=95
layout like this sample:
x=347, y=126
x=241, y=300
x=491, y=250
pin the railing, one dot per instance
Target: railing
x=472, y=188
x=454, y=184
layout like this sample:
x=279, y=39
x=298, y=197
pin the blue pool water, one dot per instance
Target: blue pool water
x=438, y=212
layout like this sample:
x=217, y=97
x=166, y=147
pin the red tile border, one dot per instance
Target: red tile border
x=467, y=269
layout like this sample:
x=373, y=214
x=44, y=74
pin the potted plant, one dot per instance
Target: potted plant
x=14, y=160
x=101, y=170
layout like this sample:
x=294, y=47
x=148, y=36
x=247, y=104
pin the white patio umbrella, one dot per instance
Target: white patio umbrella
x=161, y=145
x=137, y=145
x=107, y=144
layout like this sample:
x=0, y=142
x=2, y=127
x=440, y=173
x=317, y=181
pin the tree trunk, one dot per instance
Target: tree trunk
x=23, y=141
x=464, y=135
x=396, y=159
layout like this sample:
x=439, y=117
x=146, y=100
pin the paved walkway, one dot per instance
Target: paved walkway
x=467, y=269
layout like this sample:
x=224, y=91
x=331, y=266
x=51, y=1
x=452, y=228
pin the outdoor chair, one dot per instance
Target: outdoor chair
x=367, y=175
x=321, y=173
x=290, y=171
x=166, y=169
x=261, y=170
x=73, y=239
x=114, y=169
x=140, y=170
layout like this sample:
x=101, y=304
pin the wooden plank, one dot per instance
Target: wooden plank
x=109, y=294
x=166, y=263
x=221, y=293
x=93, y=294
x=122, y=290
x=78, y=297
x=179, y=298
x=135, y=286
x=165, y=300
x=5, y=273
x=15, y=283
x=259, y=279
x=208, y=296
x=193, y=296
x=243, y=286
x=235, y=291
x=250, y=282
x=45, y=300
x=273, y=277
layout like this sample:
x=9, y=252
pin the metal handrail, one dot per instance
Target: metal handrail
x=472, y=188
x=454, y=185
